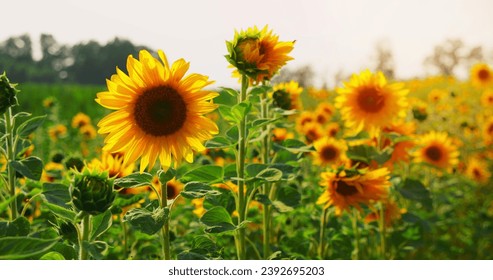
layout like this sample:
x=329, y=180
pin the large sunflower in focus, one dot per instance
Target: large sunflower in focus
x=368, y=102
x=436, y=148
x=258, y=54
x=481, y=75
x=344, y=191
x=159, y=112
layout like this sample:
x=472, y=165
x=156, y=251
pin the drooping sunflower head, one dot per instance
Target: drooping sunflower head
x=257, y=53
x=367, y=102
x=287, y=96
x=481, y=75
x=477, y=169
x=436, y=148
x=159, y=111
x=80, y=120
x=344, y=191
x=330, y=151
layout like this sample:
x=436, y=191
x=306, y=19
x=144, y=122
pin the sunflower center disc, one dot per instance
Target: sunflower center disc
x=329, y=153
x=170, y=189
x=433, y=153
x=344, y=189
x=370, y=100
x=160, y=111
x=483, y=74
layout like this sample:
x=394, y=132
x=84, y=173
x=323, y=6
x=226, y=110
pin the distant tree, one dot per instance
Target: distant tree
x=447, y=56
x=303, y=75
x=384, y=60
x=16, y=57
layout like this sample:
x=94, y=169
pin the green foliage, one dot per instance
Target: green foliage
x=29, y=126
x=134, y=180
x=30, y=167
x=217, y=220
x=206, y=174
x=21, y=247
x=146, y=221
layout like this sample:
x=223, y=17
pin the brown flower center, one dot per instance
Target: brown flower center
x=477, y=174
x=160, y=111
x=171, y=190
x=329, y=153
x=370, y=100
x=344, y=189
x=483, y=74
x=434, y=153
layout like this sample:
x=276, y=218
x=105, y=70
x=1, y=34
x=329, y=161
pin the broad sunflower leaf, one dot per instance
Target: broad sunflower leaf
x=415, y=190
x=217, y=220
x=134, y=180
x=166, y=176
x=61, y=212
x=294, y=146
x=18, y=227
x=30, y=167
x=100, y=224
x=218, y=142
x=146, y=221
x=21, y=247
x=56, y=193
x=55, y=256
x=195, y=190
x=206, y=174
x=29, y=126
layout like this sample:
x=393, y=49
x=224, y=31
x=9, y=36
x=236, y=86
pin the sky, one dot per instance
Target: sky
x=330, y=35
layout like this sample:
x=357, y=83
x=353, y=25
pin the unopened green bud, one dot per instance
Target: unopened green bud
x=7, y=94
x=92, y=191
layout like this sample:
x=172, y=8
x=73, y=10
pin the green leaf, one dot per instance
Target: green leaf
x=289, y=195
x=229, y=91
x=100, y=224
x=206, y=174
x=415, y=190
x=232, y=134
x=30, y=167
x=262, y=198
x=270, y=175
x=366, y=153
x=146, y=221
x=226, y=114
x=56, y=193
x=166, y=176
x=21, y=247
x=96, y=249
x=218, y=142
x=29, y=126
x=4, y=205
x=18, y=227
x=239, y=111
x=134, y=180
x=55, y=256
x=195, y=190
x=294, y=146
x=61, y=212
x=217, y=220
x=258, y=123
x=260, y=89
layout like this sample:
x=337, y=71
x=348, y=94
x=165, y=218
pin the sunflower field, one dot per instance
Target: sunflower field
x=164, y=164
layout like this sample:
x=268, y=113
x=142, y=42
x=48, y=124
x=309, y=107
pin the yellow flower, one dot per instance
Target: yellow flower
x=332, y=129
x=80, y=120
x=280, y=134
x=391, y=213
x=487, y=98
x=49, y=102
x=488, y=131
x=160, y=113
x=173, y=188
x=436, y=148
x=319, y=94
x=303, y=119
x=368, y=102
x=258, y=54
x=330, y=151
x=343, y=192
x=287, y=96
x=58, y=131
x=51, y=172
x=481, y=75
x=436, y=95
x=198, y=204
x=477, y=170
x=313, y=131
x=113, y=163
x=88, y=131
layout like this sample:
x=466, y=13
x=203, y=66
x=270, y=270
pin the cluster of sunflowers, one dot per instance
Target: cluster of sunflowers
x=280, y=171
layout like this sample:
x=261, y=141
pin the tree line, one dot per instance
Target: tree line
x=83, y=63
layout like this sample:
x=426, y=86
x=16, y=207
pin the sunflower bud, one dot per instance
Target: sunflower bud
x=92, y=191
x=7, y=94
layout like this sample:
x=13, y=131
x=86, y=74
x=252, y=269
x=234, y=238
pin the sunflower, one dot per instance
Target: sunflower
x=280, y=134
x=313, y=131
x=258, y=54
x=391, y=213
x=481, y=75
x=332, y=129
x=173, y=188
x=488, y=131
x=287, y=96
x=114, y=164
x=88, y=131
x=303, y=119
x=487, y=98
x=159, y=112
x=330, y=151
x=52, y=171
x=343, y=191
x=477, y=170
x=326, y=109
x=80, y=120
x=436, y=148
x=436, y=95
x=403, y=147
x=368, y=102
x=58, y=131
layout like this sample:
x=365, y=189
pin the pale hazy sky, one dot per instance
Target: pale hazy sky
x=330, y=35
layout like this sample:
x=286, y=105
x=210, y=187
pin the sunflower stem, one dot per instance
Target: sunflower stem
x=240, y=170
x=165, y=230
x=323, y=225
x=9, y=125
x=381, y=225
x=356, y=234
x=264, y=111
x=84, y=237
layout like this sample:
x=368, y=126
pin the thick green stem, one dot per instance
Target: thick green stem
x=165, y=230
x=356, y=234
x=10, y=154
x=86, y=229
x=264, y=111
x=240, y=170
x=323, y=225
